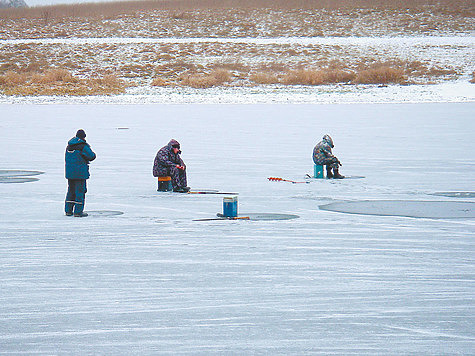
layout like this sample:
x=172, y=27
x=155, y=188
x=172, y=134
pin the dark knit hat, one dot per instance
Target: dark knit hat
x=81, y=134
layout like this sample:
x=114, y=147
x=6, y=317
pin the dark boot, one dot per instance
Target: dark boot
x=81, y=215
x=329, y=172
x=181, y=189
x=337, y=174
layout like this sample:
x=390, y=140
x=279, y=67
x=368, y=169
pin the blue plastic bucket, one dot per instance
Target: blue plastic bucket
x=230, y=207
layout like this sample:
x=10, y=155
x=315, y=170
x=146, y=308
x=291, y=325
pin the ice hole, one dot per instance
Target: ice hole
x=104, y=212
x=455, y=194
x=9, y=180
x=18, y=173
x=270, y=216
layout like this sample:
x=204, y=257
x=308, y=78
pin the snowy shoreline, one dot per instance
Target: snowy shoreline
x=436, y=51
x=465, y=40
x=448, y=92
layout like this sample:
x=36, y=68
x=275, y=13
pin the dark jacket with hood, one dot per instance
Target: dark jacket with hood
x=322, y=153
x=166, y=158
x=78, y=155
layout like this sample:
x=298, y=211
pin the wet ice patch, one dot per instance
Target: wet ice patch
x=455, y=194
x=18, y=173
x=9, y=176
x=414, y=209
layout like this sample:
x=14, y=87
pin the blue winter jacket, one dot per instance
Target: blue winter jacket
x=78, y=155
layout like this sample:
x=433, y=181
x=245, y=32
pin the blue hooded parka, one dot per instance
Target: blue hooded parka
x=78, y=155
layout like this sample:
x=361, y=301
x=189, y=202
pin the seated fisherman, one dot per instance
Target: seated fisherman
x=322, y=155
x=169, y=163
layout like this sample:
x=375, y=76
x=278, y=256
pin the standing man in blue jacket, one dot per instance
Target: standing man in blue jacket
x=78, y=155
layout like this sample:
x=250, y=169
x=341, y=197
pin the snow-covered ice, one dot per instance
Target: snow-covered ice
x=152, y=281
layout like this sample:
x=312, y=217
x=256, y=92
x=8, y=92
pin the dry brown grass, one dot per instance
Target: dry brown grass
x=215, y=78
x=210, y=64
x=53, y=76
x=48, y=13
x=317, y=77
x=381, y=75
x=473, y=78
x=161, y=82
x=238, y=18
x=264, y=78
x=58, y=82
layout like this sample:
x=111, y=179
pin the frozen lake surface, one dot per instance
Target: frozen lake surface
x=153, y=281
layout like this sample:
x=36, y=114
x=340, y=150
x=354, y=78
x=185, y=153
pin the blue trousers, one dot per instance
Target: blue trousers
x=75, y=198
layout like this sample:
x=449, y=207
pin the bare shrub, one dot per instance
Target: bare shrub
x=231, y=66
x=58, y=82
x=53, y=76
x=216, y=77
x=339, y=76
x=302, y=77
x=160, y=82
x=109, y=80
x=12, y=78
x=380, y=75
x=436, y=71
x=175, y=68
x=221, y=75
x=5, y=67
x=36, y=66
x=264, y=78
x=473, y=78
x=316, y=77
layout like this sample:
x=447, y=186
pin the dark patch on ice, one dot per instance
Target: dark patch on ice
x=9, y=180
x=104, y=212
x=455, y=194
x=270, y=216
x=122, y=128
x=205, y=190
x=412, y=209
x=18, y=173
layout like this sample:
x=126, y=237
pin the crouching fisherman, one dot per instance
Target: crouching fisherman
x=169, y=163
x=77, y=157
x=322, y=155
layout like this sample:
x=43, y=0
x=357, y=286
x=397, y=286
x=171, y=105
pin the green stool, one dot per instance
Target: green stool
x=318, y=171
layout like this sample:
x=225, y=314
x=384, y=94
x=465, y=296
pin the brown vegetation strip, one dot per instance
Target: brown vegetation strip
x=128, y=7
x=36, y=69
x=101, y=21
x=58, y=82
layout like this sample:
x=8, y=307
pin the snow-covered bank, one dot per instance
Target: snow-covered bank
x=448, y=92
x=400, y=41
x=152, y=281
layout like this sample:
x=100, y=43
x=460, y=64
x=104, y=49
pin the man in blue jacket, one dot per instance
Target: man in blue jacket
x=77, y=157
